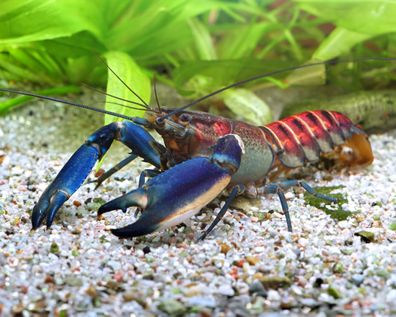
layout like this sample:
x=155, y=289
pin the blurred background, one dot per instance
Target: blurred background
x=195, y=47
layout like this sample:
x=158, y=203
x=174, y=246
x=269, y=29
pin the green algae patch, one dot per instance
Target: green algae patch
x=333, y=209
x=392, y=226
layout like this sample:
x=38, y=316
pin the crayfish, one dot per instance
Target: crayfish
x=202, y=156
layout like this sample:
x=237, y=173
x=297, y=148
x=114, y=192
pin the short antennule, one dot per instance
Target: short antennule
x=123, y=82
x=156, y=95
x=276, y=72
x=115, y=97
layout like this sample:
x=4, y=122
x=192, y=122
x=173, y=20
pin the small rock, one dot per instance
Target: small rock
x=91, y=291
x=224, y=248
x=238, y=305
x=129, y=296
x=49, y=279
x=73, y=281
x=338, y=268
x=318, y=282
x=343, y=224
x=83, y=303
x=391, y=297
x=113, y=285
x=226, y=290
x=252, y=260
x=288, y=303
x=76, y=230
x=309, y=302
x=202, y=301
x=172, y=307
x=366, y=236
x=257, y=307
x=275, y=282
x=99, y=172
x=54, y=248
x=335, y=293
x=99, y=201
x=357, y=279
x=257, y=288
x=273, y=295
x=17, y=310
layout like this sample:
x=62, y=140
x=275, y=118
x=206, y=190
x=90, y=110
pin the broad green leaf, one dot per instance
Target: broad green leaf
x=247, y=106
x=356, y=21
x=19, y=73
x=35, y=20
x=243, y=41
x=201, y=77
x=371, y=17
x=75, y=46
x=157, y=28
x=127, y=69
x=203, y=40
x=310, y=76
x=339, y=42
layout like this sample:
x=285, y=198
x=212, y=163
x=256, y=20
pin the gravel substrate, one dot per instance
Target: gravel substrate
x=249, y=265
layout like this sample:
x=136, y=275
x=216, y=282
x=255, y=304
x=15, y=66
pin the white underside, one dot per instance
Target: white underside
x=177, y=220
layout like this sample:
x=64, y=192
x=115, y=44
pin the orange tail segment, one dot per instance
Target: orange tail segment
x=356, y=151
x=305, y=137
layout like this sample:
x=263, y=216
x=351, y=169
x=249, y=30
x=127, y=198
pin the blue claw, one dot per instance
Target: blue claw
x=141, y=227
x=180, y=192
x=65, y=184
x=136, y=198
x=76, y=170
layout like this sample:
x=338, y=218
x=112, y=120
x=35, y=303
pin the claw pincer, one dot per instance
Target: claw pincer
x=180, y=192
x=76, y=170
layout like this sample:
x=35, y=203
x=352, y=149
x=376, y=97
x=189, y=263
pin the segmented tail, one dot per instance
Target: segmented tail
x=304, y=137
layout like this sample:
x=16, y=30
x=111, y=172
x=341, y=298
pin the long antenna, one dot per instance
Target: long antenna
x=276, y=72
x=74, y=104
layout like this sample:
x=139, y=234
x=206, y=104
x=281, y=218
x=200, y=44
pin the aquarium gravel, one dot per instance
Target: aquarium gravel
x=249, y=265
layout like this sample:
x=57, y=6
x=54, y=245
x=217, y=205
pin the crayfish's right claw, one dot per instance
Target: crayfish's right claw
x=76, y=170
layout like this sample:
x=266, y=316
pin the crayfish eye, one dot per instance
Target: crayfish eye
x=185, y=118
x=159, y=121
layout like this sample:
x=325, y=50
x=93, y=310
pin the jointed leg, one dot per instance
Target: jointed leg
x=279, y=187
x=113, y=170
x=285, y=208
x=147, y=173
x=238, y=189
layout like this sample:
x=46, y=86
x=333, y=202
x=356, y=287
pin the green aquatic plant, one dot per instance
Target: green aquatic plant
x=195, y=47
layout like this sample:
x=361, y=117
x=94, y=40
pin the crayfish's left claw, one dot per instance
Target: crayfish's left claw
x=144, y=225
x=180, y=192
x=136, y=198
